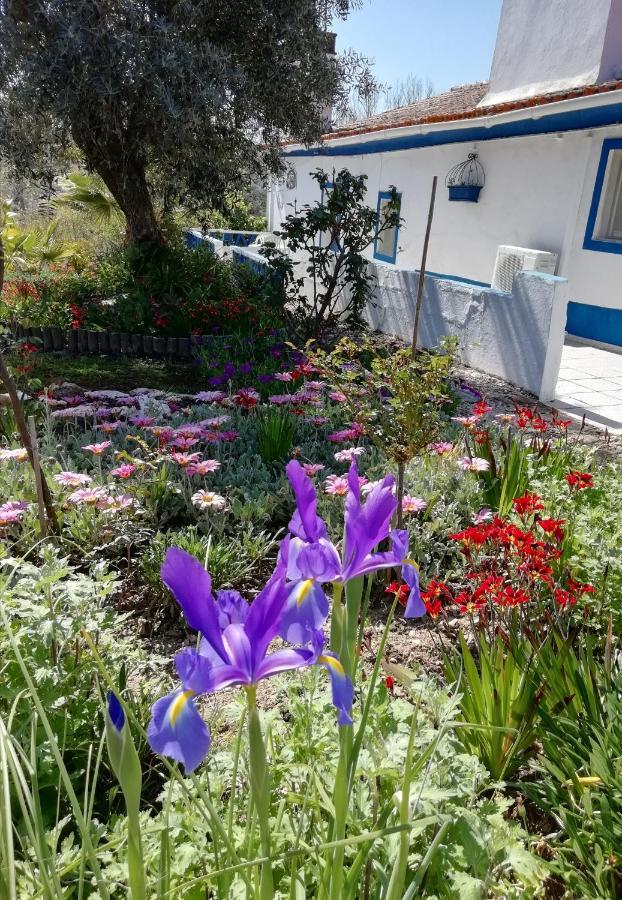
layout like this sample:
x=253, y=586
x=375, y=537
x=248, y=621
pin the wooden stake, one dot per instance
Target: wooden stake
x=36, y=465
x=424, y=258
x=24, y=435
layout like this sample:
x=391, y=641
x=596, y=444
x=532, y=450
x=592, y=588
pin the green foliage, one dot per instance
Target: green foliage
x=275, y=436
x=236, y=215
x=88, y=194
x=162, y=290
x=166, y=95
x=330, y=238
x=581, y=765
x=499, y=703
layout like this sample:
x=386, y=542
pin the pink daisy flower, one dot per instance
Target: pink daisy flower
x=312, y=469
x=337, y=396
x=283, y=376
x=204, y=467
x=124, y=471
x=20, y=454
x=205, y=500
x=88, y=496
x=185, y=459
x=441, y=447
x=98, y=449
x=12, y=512
x=473, y=464
x=72, y=479
x=109, y=427
x=413, y=504
x=110, y=504
x=484, y=515
x=210, y=396
x=349, y=454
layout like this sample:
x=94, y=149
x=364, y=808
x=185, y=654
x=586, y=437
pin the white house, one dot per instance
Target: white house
x=547, y=131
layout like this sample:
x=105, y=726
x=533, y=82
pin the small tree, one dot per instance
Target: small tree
x=331, y=236
x=400, y=401
x=193, y=96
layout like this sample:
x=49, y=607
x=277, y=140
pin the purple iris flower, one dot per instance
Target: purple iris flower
x=312, y=560
x=233, y=650
x=415, y=607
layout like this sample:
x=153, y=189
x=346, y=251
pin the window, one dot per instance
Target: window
x=385, y=245
x=604, y=226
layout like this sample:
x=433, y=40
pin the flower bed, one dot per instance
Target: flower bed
x=299, y=699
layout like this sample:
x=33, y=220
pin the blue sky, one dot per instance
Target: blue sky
x=449, y=41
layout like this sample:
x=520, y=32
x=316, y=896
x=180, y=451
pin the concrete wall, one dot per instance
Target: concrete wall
x=548, y=45
x=517, y=336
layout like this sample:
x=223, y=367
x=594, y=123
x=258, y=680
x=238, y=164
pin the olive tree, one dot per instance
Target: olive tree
x=189, y=94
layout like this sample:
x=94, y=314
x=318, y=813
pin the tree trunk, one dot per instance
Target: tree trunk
x=123, y=173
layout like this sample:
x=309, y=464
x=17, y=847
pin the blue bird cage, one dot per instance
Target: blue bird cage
x=466, y=180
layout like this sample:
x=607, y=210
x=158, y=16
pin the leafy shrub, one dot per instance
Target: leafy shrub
x=165, y=289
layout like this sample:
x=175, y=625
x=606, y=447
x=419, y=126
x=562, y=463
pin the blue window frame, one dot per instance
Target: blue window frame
x=385, y=245
x=603, y=231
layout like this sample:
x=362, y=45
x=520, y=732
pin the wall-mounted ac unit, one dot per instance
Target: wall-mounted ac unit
x=511, y=260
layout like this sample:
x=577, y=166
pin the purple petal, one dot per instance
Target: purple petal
x=305, y=612
x=319, y=561
x=415, y=607
x=240, y=651
x=343, y=692
x=198, y=674
x=177, y=730
x=284, y=661
x=191, y=586
x=262, y=622
x=232, y=608
x=367, y=524
x=306, y=524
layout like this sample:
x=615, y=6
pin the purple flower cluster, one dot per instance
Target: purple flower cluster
x=236, y=636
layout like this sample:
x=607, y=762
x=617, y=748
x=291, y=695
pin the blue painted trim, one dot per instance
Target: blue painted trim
x=596, y=323
x=386, y=195
x=590, y=242
x=573, y=120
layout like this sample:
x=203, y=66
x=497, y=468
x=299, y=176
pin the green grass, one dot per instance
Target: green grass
x=121, y=374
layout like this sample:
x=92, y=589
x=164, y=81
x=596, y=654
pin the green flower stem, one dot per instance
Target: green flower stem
x=398, y=875
x=340, y=799
x=336, y=618
x=260, y=789
x=354, y=594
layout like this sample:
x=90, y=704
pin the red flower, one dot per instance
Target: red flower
x=527, y=504
x=578, y=588
x=539, y=424
x=481, y=408
x=398, y=590
x=560, y=423
x=578, y=481
x=564, y=598
x=433, y=608
x=28, y=348
x=554, y=527
x=390, y=682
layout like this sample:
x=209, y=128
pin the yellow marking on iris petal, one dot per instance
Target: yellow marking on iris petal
x=304, y=590
x=410, y=562
x=178, y=705
x=333, y=663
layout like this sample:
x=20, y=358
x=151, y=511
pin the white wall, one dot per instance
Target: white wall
x=548, y=45
x=538, y=194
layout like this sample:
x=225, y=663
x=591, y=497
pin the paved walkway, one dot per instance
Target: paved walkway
x=590, y=385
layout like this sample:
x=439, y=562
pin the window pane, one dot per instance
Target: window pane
x=387, y=240
x=616, y=218
x=612, y=208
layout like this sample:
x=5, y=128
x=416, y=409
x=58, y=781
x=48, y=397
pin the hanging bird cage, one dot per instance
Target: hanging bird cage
x=466, y=180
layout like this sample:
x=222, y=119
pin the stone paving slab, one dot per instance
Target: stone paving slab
x=590, y=385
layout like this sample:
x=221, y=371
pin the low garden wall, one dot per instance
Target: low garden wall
x=81, y=341
x=517, y=336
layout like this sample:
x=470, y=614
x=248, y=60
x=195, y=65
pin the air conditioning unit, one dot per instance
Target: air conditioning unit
x=511, y=260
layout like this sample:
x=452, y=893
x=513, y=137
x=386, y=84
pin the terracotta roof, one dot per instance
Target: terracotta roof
x=456, y=104
x=457, y=100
